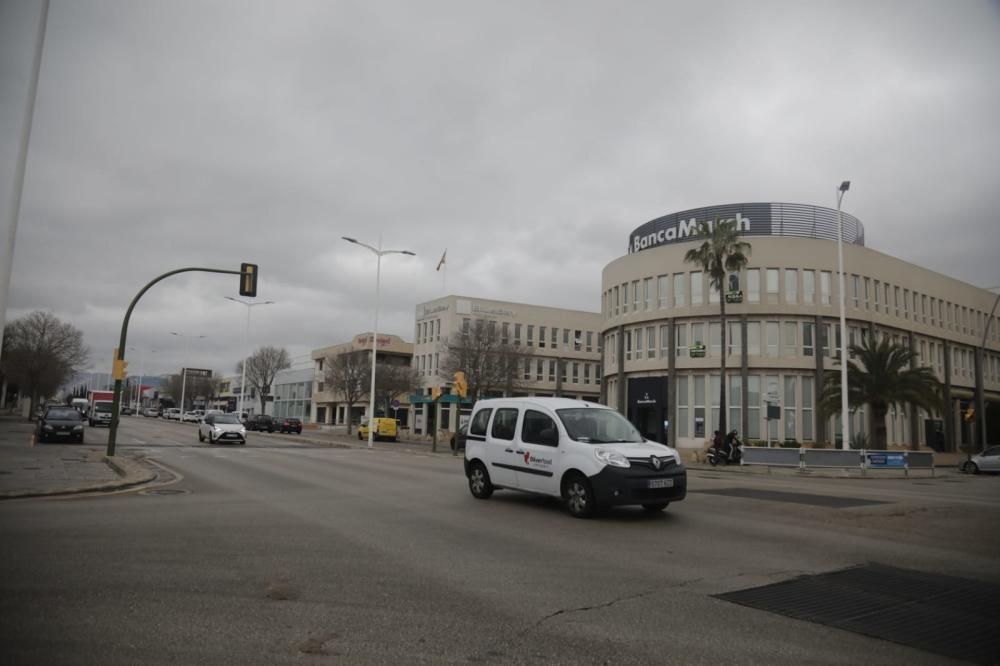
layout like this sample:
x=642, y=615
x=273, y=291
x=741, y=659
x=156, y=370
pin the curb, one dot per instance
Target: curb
x=132, y=473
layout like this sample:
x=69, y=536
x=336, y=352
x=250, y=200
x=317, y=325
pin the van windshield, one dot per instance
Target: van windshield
x=597, y=426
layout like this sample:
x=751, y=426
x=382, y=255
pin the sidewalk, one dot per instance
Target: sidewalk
x=59, y=469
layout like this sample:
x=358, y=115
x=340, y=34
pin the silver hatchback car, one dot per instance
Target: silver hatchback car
x=987, y=461
x=222, y=429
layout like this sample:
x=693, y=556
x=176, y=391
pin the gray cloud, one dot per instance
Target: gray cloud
x=527, y=138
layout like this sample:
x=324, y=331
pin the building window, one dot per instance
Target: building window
x=809, y=287
x=552, y=370
x=617, y=301
x=680, y=339
x=563, y=371
x=791, y=286
x=635, y=295
x=625, y=298
x=735, y=402
x=531, y=335
x=565, y=340
x=791, y=343
x=698, y=334
x=895, y=291
x=540, y=370
x=517, y=334
x=906, y=304
x=541, y=337
x=734, y=338
x=753, y=285
x=682, y=406
x=586, y=373
x=650, y=342
x=647, y=293
x=576, y=372
x=590, y=340
x=772, y=285
x=771, y=382
x=664, y=340
x=772, y=339
x=713, y=389
x=807, y=409
x=663, y=290
x=753, y=338
x=679, y=290
x=697, y=288
x=868, y=286
x=753, y=407
x=628, y=345
x=466, y=324
x=878, y=300
x=637, y=333
x=807, y=338
x=856, y=290
x=505, y=333
x=555, y=338
x=698, y=400
x=527, y=369
x=790, y=429
x=714, y=339
x=437, y=329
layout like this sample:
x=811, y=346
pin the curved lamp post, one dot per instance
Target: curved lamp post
x=379, y=252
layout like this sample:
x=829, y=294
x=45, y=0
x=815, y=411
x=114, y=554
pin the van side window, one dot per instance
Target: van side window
x=479, y=422
x=504, y=424
x=534, y=424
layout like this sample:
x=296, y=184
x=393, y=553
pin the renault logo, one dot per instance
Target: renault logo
x=654, y=461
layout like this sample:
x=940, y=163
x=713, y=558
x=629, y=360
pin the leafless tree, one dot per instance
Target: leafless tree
x=197, y=386
x=391, y=381
x=348, y=375
x=40, y=353
x=262, y=367
x=490, y=364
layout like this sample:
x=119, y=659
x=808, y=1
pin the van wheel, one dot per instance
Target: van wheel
x=653, y=507
x=971, y=467
x=479, y=481
x=579, y=496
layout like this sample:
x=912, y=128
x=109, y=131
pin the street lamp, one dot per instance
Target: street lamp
x=187, y=347
x=379, y=252
x=844, y=424
x=246, y=344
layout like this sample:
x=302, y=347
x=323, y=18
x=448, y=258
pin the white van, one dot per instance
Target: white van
x=587, y=454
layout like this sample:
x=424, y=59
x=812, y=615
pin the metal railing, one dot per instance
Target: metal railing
x=862, y=459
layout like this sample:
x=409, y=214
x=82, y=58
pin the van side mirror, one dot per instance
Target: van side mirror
x=549, y=437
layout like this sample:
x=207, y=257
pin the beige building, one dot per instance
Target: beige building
x=785, y=333
x=565, y=352
x=328, y=406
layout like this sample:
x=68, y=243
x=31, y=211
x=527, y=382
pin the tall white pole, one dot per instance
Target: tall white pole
x=14, y=211
x=844, y=415
x=246, y=355
x=371, y=392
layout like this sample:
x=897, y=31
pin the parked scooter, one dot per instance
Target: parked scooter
x=731, y=452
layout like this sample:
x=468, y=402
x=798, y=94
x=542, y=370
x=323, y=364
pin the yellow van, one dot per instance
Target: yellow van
x=384, y=429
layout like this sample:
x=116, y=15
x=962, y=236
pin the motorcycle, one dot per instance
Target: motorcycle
x=722, y=457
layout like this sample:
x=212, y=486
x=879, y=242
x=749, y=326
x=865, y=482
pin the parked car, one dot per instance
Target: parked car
x=384, y=429
x=222, y=429
x=191, y=417
x=151, y=412
x=127, y=411
x=172, y=414
x=987, y=461
x=60, y=423
x=289, y=425
x=261, y=422
x=459, y=437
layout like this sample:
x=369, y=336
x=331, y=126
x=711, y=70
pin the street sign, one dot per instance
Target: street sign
x=395, y=404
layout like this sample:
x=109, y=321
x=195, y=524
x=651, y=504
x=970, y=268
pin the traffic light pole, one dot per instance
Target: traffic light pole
x=120, y=356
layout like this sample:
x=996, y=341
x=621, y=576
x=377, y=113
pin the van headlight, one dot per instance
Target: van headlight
x=612, y=458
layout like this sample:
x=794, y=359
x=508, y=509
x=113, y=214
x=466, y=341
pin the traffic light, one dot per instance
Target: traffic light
x=461, y=386
x=435, y=393
x=248, y=280
x=119, y=369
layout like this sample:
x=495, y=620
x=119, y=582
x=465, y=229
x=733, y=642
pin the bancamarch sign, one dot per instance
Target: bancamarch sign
x=750, y=219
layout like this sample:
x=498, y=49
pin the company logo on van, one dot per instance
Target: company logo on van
x=528, y=458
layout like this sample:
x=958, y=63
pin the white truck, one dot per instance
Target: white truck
x=99, y=408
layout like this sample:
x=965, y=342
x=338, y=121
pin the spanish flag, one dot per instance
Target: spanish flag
x=441, y=263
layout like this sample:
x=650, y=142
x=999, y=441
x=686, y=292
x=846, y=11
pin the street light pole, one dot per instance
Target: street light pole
x=844, y=417
x=379, y=252
x=246, y=345
x=187, y=351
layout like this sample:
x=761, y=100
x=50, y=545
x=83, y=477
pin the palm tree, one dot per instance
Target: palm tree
x=721, y=253
x=887, y=375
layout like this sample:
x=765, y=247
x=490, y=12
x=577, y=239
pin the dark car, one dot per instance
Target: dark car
x=261, y=422
x=60, y=423
x=458, y=439
x=288, y=425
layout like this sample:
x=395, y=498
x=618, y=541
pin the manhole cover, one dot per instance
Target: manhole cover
x=831, y=501
x=946, y=615
x=164, y=491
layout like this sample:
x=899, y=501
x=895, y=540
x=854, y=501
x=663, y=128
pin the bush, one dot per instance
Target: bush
x=790, y=444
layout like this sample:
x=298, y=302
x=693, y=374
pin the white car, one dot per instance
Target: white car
x=172, y=414
x=222, y=429
x=587, y=454
x=191, y=417
x=987, y=461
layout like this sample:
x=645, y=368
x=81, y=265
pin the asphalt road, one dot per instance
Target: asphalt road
x=288, y=552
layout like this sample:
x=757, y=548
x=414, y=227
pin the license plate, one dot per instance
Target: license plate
x=661, y=483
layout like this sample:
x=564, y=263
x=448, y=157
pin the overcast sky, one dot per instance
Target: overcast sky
x=529, y=138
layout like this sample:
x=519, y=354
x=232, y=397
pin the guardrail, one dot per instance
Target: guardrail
x=863, y=459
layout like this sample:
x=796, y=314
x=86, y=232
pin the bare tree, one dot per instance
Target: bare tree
x=391, y=381
x=489, y=363
x=262, y=367
x=40, y=353
x=348, y=374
